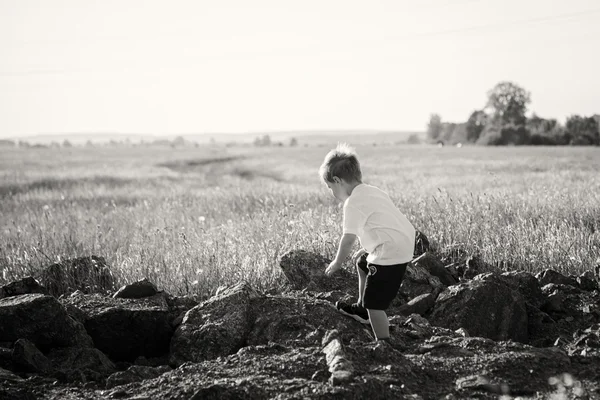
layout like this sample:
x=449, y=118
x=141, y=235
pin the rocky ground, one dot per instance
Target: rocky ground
x=455, y=334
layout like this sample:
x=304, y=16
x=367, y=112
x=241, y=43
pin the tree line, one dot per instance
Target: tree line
x=503, y=121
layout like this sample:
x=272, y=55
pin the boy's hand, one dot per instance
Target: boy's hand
x=333, y=267
x=357, y=255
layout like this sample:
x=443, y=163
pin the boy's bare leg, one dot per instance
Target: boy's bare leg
x=362, y=278
x=379, y=323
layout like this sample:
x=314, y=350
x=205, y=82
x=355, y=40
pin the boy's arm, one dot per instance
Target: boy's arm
x=344, y=249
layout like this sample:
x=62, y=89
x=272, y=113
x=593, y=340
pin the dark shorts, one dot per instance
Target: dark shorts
x=383, y=283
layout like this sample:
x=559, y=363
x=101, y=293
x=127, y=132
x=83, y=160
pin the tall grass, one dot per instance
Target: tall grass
x=194, y=219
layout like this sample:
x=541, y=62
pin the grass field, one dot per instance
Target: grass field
x=194, y=219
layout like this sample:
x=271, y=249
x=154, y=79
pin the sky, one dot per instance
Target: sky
x=169, y=67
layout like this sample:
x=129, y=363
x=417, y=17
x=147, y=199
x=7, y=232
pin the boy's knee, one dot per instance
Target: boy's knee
x=361, y=265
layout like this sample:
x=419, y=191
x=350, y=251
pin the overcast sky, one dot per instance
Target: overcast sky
x=176, y=67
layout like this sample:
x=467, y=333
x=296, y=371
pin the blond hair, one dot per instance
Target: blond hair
x=341, y=162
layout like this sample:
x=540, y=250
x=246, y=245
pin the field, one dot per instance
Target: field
x=192, y=219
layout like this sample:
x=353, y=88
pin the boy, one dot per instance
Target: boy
x=386, y=236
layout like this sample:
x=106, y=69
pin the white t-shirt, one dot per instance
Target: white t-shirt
x=384, y=232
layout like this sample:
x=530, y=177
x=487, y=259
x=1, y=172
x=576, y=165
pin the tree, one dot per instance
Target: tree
x=545, y=131
x=293, y=142
x=475, y=125
x=582, y=130
x=434, y=128
x=501, y=135
x=508, y=102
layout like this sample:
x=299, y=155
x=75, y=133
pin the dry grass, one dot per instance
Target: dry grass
x=194, y=219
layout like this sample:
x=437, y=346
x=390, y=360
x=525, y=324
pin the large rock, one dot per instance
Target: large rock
x=300, y=322
x=306, y=270
x=80, y=364
x=23, y=286
x=88, y=274
x=526, y=284
x=419, y=305
x=137, y=290
x=218, y=326
x=550, y=276
x=42, y=320
x=417, y=281
x=29, y=358
x=126, y=328
x=435, y=267
x=485, y=307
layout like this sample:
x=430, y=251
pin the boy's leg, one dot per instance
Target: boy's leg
x=362, y=278
x=380, y=324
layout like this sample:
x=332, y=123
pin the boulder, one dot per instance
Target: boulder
x=299, y=322
x=126, y=328
x=435, y=267
x=215, y=327
x=23, y=286
x=419, y=305
x=526, y=284
x=42, y=320
x=306, y=270
x=74, y=364
x=28, y=358
x=587, y=281
x=88, y=274
x=137, y=290
x=417, y=281
x=485, y=307
x=550, y=276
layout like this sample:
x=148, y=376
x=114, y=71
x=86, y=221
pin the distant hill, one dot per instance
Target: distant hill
x=310, y=137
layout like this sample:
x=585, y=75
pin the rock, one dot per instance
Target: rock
x=306, y=270
x=421, y=244
x=526, y=284
x=23, y=286
x=80, y=364
x=42, y=320
x=88, y=274
x=125, y=329
x=473, y=266
x=337, y=362
x=587, y=281
x=482, y=382
x=135, y=373
x=178, y=306
x=554, y=302
x=299, y=322
x=218, y=326
x=435, y=267
x=484, y=306
x=28, y=358
x=419, y=305
x=550, y=276
x=417, y=281
x=137, y=290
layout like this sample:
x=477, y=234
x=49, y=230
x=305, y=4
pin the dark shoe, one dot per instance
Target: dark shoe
x=355, y=311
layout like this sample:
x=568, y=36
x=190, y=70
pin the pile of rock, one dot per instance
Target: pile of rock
x=500, y=333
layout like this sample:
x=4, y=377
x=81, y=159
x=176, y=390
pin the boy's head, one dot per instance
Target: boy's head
x=341, y=166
